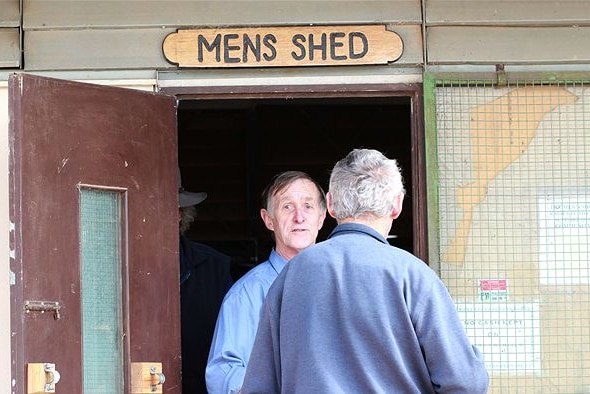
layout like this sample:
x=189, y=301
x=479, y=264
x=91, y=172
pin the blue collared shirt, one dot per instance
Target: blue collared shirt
x=237, y=324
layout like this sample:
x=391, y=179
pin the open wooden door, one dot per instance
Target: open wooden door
x=94, y=238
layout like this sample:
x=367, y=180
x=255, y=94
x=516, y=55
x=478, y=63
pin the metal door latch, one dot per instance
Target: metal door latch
x=43, y=306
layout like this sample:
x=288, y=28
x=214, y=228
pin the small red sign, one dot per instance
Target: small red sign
x=492, y=284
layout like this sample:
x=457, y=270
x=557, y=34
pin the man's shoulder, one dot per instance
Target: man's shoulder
x=258, y=273
x=209, y=251
x=257, y=279
x=199, y=253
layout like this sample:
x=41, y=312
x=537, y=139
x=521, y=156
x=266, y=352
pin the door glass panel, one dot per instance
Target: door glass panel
x=101, y=287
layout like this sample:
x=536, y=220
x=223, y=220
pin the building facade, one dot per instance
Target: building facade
x=484, y=103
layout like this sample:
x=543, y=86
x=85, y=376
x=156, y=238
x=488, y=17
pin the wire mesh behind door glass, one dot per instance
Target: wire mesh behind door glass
x=101, y=292
x=514, y=221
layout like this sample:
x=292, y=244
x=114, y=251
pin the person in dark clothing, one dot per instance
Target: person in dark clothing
x=205, y=277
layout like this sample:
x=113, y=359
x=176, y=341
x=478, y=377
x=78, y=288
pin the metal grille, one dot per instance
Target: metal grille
x=513, y=168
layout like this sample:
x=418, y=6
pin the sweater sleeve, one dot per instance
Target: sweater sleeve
x=455, y=365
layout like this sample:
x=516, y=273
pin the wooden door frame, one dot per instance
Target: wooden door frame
x=413, y=91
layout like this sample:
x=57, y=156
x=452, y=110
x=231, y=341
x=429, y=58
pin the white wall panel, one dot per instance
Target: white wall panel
x=9, y=48
x=43, y=14
x=503, y=12
x=509, y=45
x=9, y=13
x=139, y=49
x=95, y=49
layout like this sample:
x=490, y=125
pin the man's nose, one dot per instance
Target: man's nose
x=299, y=216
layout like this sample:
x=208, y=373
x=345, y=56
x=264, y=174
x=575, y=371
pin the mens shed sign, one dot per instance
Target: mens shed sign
x=283, y=46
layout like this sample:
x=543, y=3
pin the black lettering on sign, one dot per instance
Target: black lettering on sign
x=358, y=46
x=364, y=48
x=251, y=46
x=269, y=40
x=317, y=47
x=283, y=46
x=298, y=40
x=235, y=53
x=215, y=45
x=227, y=58
x=334, y=43
x=255, y=47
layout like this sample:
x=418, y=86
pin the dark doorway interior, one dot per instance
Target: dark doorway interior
x=232, y=148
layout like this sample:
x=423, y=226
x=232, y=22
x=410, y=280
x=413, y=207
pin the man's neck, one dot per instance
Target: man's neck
x=380, y=224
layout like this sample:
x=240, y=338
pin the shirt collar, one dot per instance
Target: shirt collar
x=277, y=261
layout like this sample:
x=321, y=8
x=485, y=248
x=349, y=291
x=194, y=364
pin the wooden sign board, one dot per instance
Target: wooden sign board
x=290, y=46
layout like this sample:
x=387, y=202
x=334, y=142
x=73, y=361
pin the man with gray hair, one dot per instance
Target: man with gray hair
x=353, y=314
x=293, y=210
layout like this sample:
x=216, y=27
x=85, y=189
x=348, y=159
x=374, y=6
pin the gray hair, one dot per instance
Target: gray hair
x=187, y=217
x=365, y=182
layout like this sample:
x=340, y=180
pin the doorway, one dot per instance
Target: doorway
x=231, y=148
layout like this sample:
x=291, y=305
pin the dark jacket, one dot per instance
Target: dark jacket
x=205, y=277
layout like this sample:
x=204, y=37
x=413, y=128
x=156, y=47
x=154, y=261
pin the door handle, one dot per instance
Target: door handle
x=147, y=377
x=52, y=377
x=42, y=378
x=158, y=378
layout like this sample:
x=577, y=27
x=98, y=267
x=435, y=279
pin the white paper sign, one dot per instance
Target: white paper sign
x=507, y=334
x=564, y=239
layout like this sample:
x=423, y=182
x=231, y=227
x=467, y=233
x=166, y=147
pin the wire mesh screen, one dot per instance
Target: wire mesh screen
x=514, y=227
x=102, y=331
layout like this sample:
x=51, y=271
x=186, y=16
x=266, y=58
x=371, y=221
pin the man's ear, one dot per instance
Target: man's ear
x=397, y=207
x=329, y=204
x=321, y=222
x=266, y=219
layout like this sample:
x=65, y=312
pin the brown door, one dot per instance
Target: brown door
x=93, y=202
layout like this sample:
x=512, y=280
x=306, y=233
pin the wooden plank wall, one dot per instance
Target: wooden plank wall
x=509, y=32
x=128, y=35
x=120, y=34
x=9, y=34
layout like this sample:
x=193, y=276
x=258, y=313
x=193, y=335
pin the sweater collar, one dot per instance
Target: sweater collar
x=347, y=228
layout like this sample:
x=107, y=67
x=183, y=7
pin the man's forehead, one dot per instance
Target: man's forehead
x=297, y=196
x=299, y=189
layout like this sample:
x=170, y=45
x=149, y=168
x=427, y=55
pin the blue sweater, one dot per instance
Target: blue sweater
x=353, y=314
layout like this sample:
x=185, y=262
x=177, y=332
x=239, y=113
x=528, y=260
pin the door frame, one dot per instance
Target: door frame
x=413, y=91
